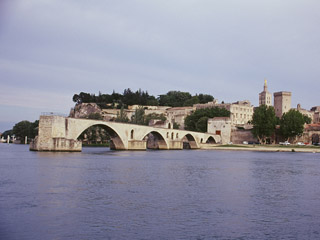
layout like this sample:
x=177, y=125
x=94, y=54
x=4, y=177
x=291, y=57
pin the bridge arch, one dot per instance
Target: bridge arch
x=189, y=142
x=211, y=140
x=116, y=142
x=155, y=140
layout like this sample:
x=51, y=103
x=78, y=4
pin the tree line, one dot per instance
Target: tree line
x=267, y=125
x=23, y=129
x=129, y=97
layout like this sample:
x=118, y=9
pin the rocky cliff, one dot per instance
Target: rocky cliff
x=84, y=109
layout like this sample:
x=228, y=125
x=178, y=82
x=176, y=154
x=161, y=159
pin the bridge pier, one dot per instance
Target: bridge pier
x=137, y=145
x=175, y=145
x=56, y=145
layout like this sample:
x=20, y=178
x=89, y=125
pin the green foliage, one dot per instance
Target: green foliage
x=95, y=116
x=195, y=121
x=138, y=117
x=122, y=116
x=190, y=102
x=7, y=133
x=264, y=122
x=151, y=116
x=174, y=98
x=202, y=124
x=25, y=128
x=204, y=98
x=307, y=120
x=34, y=129
x=176, y=125
x=129, y=97
x=292, y=124
x=94, y=135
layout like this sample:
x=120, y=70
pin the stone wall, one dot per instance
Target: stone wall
x=238, y=136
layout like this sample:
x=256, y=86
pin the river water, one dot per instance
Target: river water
x=187, y=194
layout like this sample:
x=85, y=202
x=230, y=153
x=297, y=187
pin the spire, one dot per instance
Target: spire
x=265, y=87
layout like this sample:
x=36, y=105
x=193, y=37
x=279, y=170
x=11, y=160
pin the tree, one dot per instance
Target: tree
x=7, y=133
x=25, y=128
x=205, y=98
x=191, y=101
x=34, y=128
x=193, y=122
x=264, y=122
x=151, y=116
x=202, y=124
x=95, y=116
x=138, y=117
x=76, y=98
x=292, y=124
x=139, y=97
x=174, y=99
x=307, y=119
x=122, y=116
x=176, y=125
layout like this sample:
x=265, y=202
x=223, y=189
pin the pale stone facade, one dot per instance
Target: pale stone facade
x=265, y=97
x=316, y=114
x=305, y=112
x=220, y=126
x=316, y=117
x=178, y=115
x=282, y=103
x=241, y=111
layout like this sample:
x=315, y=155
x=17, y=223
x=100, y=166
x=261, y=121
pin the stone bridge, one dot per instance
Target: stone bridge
x=58, y=133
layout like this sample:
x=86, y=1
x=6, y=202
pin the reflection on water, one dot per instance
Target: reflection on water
x=102, y=194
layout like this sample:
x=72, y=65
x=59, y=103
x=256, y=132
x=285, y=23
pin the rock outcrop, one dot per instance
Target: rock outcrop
x=83, y=110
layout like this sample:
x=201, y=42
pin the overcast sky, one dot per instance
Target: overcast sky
x=52, y=49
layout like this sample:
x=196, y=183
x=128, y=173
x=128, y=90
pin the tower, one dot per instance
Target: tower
x=265, y=96
x=282, y=103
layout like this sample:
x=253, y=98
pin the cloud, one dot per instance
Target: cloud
x=224, y=48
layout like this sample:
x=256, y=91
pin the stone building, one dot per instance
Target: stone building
x=241, y=112
x=178, y=114
x=316, y=114
x=282, y=102
x=265, y=97
x=305, y=112
x=311, y=134
x=220, y=126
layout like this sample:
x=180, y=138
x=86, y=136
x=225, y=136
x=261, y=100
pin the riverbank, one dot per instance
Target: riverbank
x=263, y=148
